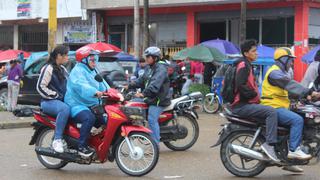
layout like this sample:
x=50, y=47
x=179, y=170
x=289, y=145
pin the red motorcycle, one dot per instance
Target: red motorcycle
x=123, y=139
x=179, y=129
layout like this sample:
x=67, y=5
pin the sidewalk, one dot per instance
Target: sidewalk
x=9, y=121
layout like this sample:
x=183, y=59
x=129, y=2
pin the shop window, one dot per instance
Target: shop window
x=209, y=31
x=278, y=32
x=252, y=30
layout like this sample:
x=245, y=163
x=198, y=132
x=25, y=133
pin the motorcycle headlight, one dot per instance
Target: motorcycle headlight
x=317, y=119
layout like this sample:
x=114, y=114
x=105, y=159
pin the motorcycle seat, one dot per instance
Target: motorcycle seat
x=234, y=118
x=41, y=113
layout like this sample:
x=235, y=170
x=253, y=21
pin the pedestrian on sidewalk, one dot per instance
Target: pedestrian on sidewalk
x=14, y=76
x=52, y=86
x=197, y=69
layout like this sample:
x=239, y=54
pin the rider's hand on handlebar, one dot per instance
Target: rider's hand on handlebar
x=315, y=95
x=99, y=94
x=139, y=95
x=126, y=87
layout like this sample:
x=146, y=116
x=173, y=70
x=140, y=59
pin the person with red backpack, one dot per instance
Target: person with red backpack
x=246, y=102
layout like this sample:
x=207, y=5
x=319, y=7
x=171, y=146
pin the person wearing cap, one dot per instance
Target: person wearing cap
x=155, y=82
x=82, y=93
x=14, y=76
x=312, y=74
x=276, y=87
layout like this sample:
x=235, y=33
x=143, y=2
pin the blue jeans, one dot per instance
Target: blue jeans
x=153, y=116
x=87, y=120
x=261, y=113
x=295, y=121
x=61, y=111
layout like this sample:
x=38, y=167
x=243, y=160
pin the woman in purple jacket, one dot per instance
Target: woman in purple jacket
x=14, y=77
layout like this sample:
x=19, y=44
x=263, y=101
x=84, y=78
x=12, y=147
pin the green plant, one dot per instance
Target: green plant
x=204, y=89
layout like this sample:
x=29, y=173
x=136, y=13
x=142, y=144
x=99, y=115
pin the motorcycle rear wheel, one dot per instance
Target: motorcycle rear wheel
x=44, y=140
x=145, y=147
x=193, y=133
x=239, y=168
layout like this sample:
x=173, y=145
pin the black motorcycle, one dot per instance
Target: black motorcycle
x=241, y=141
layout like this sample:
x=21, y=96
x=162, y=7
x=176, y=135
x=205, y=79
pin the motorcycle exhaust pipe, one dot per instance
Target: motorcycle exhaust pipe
x=248, y=152
x=51, y=153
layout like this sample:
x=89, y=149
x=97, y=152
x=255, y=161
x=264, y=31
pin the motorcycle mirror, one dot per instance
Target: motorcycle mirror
x=98, y=78
x=311, y=85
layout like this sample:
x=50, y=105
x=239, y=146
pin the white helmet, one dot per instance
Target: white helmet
x=152, y=51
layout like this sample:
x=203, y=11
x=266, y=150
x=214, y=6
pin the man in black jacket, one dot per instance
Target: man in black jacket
x=156, y=85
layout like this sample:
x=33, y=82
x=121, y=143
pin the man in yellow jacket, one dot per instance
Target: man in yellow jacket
x=276, y=87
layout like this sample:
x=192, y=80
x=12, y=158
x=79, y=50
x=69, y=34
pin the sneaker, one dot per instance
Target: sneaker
x=85, y=151
x=269, y=150
x=294, y=169
x=57, y=145
x=299, y=154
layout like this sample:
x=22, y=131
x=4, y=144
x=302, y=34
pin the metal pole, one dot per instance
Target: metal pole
x=136, y=28
x=243, y=18
x=146, y=24
x=52, y=24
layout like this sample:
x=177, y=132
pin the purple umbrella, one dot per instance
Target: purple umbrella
x=265, y=51
x=309, y=57
x=225, y=47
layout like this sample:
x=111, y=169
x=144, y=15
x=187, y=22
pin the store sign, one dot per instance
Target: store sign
x=23, y=8
x=79, y=32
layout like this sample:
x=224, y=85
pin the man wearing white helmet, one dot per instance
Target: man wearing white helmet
x=156, y=85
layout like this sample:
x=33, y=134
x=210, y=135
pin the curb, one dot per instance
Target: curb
x=14, y=125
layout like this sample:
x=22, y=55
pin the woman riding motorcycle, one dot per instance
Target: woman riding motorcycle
x=83, y=92
x=51, y=86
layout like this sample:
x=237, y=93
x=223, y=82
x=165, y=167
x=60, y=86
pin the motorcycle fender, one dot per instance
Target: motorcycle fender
x=193, y=113
x=126, y=130
x=38, y=127
x=227, y=130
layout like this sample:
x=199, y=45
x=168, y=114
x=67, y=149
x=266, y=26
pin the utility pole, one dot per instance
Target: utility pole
x=243, y=19
x=52, y=25
x=145, y=24
x=136, y=28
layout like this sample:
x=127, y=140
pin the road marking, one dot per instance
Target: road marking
x=172, y=177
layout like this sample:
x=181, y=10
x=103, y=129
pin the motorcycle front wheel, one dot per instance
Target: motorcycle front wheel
x=237, y=164
x=192, y=126
x=44, y=140
x=211, y=103
x=142, y=160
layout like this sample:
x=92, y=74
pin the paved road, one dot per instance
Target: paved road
x=18, y=161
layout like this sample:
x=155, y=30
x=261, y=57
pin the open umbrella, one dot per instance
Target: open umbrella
x=265, y=51
x=205, y=54
x=225, y=47
x=12, y=54
x=104, y=47
x=181, y=55
x=309, y=57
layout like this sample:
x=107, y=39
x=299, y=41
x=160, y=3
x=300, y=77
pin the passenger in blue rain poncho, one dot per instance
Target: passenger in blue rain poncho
x=83, y=92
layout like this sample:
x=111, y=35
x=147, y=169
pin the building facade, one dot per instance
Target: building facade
x=175, y=24
x=24, y=24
